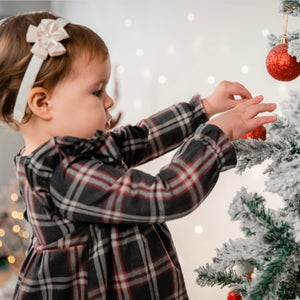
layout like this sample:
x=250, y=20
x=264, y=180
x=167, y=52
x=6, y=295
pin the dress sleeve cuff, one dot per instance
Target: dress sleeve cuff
x=198, y=109
x=214, y=136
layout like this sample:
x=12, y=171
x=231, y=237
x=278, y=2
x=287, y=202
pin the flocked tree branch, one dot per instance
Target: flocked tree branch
x=272, y=237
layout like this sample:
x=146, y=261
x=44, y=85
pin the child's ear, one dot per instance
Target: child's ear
x=39, y=103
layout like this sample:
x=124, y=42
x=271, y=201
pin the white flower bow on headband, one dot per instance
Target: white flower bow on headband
x=47, y=37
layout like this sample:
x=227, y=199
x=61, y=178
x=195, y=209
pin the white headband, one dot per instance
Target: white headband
x=46, y=38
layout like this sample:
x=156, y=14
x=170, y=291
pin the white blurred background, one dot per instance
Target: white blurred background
x=165, y=51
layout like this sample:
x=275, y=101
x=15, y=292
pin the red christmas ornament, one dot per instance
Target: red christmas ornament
x=232, y=295
x=281, y=65
x=258, y=133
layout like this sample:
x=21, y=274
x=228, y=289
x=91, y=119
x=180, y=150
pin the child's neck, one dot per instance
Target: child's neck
x=31, y=146
x=34, y=136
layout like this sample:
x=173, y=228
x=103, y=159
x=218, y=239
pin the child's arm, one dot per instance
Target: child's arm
x=159, y=133
x=89, y=190
x=166, y=130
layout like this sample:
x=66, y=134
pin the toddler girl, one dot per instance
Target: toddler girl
x=98, y=224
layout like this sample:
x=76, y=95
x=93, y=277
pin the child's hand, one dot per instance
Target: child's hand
x=223, y=99
x=240, y=120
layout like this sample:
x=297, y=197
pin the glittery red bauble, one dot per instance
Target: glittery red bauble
x=258, y=133
x=281, y=65
x=233, y=296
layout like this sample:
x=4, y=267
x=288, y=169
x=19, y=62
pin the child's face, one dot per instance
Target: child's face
x=80, y=102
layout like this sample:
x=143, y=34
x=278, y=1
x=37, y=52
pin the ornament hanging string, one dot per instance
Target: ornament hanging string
x=285, y=17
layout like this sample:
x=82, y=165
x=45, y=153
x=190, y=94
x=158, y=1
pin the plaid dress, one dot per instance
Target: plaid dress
x=98, y=224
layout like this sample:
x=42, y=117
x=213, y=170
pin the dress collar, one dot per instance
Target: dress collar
x=46, y=158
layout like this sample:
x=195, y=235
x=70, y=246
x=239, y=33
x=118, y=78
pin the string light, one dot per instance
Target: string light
x=138, y=104
x=171, y=50
x=25, y=234
x=245, y=69
x=16, y=228
x=20, y=215
x=265, y=32
x=139, y=52
x=162, y=79
x=14, y=197
x=198, y=229
x=12, y=236
x=14, y=214
x=211, y=80
x=127, y=22
x=147, y=73
x=120, y=69
x=191, y=17
x=11, y=259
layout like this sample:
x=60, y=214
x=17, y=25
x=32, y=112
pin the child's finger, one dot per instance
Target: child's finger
x=248, y=102
x=256, y=122
x=239, y=90
x=254, y=110
x=256, y=100
x=252, y=102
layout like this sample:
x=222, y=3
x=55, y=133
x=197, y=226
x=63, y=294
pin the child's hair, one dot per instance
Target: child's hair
x=15, y=56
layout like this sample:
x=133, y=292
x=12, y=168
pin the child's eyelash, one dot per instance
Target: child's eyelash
x=98, y=93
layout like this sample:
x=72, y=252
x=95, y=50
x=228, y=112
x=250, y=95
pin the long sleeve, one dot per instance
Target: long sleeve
x=159, y=133
x=101, y=222
x=89, y=190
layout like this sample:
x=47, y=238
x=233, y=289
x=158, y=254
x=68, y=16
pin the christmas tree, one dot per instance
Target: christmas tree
x=265, y=264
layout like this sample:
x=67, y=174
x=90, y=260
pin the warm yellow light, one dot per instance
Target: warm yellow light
x=2, y=232
x=0, y=244
x=16, y=228
x=14, y=197
x=25, y=234
x=20, y=215
x=11, y=259
x=14, y=214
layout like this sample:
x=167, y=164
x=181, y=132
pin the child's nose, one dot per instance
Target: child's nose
x=109, y=102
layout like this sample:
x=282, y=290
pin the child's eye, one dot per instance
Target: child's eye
x=98, y=93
